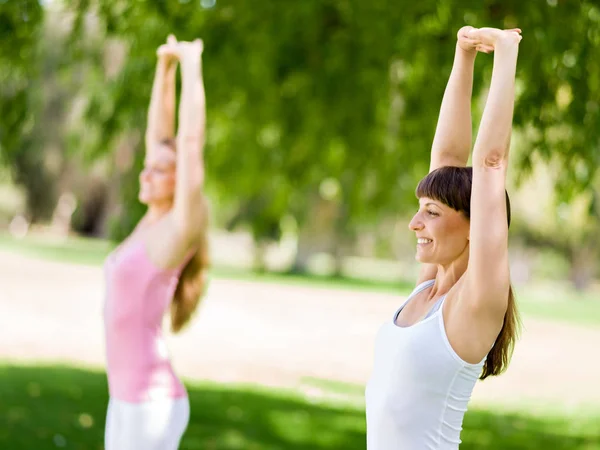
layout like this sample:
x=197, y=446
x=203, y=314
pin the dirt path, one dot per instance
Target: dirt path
x=271, y=334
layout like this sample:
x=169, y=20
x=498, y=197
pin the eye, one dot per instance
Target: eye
x=432, y=213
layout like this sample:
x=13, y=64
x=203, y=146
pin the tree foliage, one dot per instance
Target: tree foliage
x=20, y=100
x=339, y=97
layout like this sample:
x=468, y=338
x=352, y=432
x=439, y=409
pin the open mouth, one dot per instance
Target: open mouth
x=424, y=241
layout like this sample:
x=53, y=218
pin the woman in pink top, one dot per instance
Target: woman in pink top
x=160, y=266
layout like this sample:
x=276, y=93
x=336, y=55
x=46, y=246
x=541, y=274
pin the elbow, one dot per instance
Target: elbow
x=493, y=158
x=190, y=141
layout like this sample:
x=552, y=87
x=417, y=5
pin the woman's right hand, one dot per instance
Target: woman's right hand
x=191, y=52
x=467, y=43
x=166, y=53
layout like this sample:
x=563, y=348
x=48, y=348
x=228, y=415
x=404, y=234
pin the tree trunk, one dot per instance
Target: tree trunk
x=317, y=234
x=582, y=268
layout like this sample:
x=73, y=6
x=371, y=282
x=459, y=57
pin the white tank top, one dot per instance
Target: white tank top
x=419, y=388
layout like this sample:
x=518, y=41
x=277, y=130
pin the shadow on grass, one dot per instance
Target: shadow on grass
x=49, y=407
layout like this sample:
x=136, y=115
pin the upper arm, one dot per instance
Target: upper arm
x=442, y=159
x=170, y=241
x=189, y=184
x=487, y=279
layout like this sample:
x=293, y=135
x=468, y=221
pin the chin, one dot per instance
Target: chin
x=143, y=199
x=424, y=259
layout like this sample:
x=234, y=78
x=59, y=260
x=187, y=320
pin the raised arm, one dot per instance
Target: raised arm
x=187, y=207
x=161, y=111
x=452, y=141
x=487, y=278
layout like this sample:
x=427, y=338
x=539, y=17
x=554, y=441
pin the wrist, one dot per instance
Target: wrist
x=163, y=65
x=464, y=57
x=190, y=64
x=506, y=42
x=506, y=48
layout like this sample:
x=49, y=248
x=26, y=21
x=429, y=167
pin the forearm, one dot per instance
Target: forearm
x=453, y=133
x=168, y=109
x=190, y=141
x=493, y=139
x=161, y=111
x=192, y=108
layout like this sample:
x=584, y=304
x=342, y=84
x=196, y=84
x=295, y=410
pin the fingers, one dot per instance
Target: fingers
x=515, y=34
x=174, y=49
x=470, y=41
x=485, y=48
x=167, y=50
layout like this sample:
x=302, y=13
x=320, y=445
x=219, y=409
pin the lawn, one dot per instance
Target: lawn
x=93, y=252
x=49, y=407
x=554, y=301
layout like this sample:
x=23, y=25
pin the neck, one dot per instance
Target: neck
x=156, y=211
x=449, y=274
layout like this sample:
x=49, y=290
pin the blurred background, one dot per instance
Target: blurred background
x=321, y=115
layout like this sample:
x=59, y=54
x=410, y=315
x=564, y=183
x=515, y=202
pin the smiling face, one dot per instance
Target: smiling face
x=442, y=232
x=157, y=179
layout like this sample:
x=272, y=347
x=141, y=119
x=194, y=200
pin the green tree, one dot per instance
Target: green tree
x=344, y=93
x=20, y=30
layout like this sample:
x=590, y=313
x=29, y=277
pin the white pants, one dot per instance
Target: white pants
x=152, y=425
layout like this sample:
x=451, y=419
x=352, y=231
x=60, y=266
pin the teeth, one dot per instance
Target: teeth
x=423, y=241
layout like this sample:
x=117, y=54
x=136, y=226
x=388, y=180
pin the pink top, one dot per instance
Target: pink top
x=138, y=296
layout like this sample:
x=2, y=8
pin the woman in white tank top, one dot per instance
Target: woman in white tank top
x=460, y=323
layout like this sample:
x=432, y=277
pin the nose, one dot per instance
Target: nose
x=145, y=175
x=415, y=224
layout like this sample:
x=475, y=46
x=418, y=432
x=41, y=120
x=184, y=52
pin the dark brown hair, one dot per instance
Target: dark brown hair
x=452, y=186
x=193, y=279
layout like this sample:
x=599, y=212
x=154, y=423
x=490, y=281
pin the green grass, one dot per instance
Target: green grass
x=49, y=407
x=93, y=252
x=72, y=250
x=559, y=302
x=553, y=301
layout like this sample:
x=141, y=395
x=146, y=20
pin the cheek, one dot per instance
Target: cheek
x=453, y=234
x=459, y=233
x=166, y=181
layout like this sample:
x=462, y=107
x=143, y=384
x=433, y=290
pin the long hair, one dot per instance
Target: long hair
x=191, y=286
x=452, y=186
x=193, y=279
